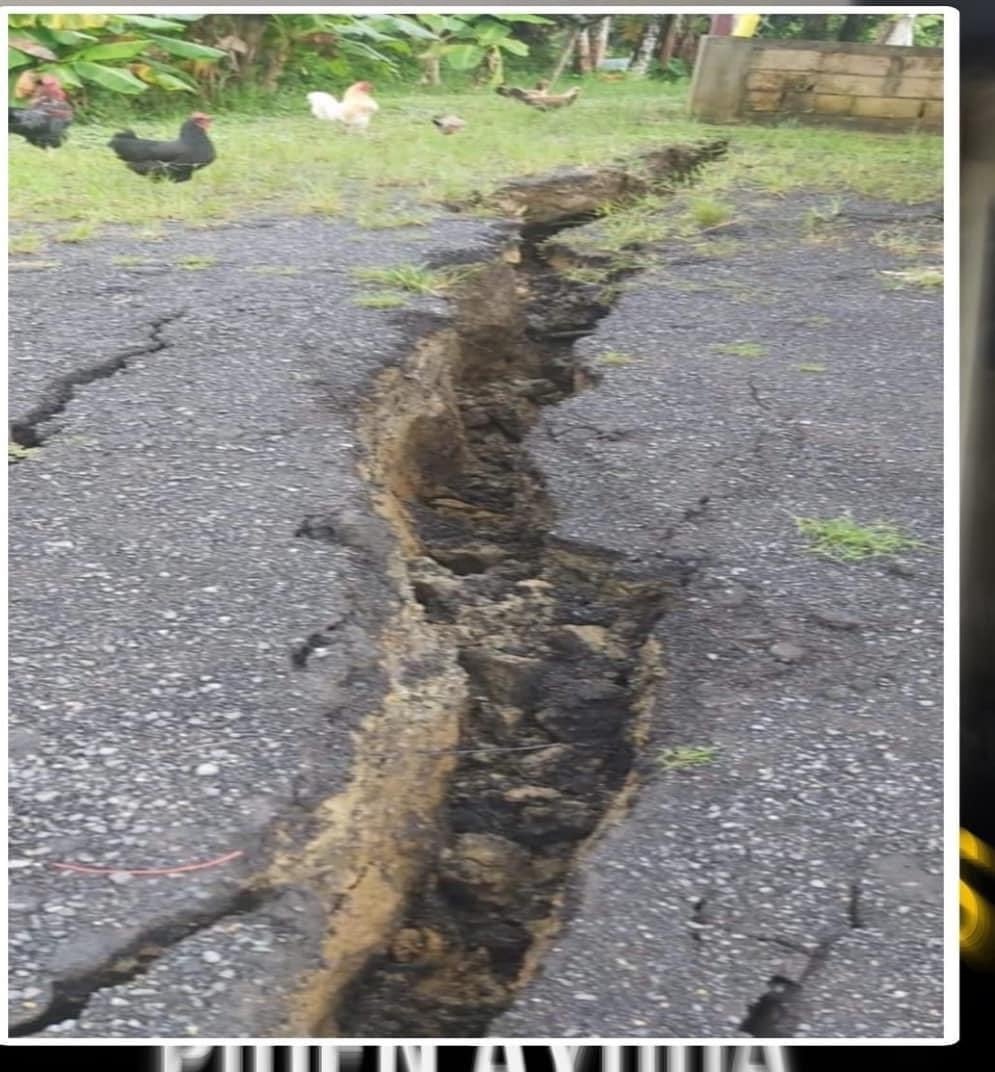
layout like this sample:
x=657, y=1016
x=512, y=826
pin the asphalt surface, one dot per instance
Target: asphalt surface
x=159, y=593
x=804, y=860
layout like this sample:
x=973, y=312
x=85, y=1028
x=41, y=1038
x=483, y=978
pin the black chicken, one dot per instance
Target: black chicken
x=173, y=160
x=47, y=117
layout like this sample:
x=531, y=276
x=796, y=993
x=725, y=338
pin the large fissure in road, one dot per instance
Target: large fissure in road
x=556, y=639
x=517, y=669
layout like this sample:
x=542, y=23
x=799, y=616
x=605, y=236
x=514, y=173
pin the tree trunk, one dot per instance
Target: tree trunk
x=850, y=28
x=816, y=27
x=275, y=61
x=251, y=29
x=584, y=52
x=601, y=41
x=898, y=31
x=669, y=39
x=647, y=46
x=564, y=59
x=494, y=64
x=886, y=27
x=431, y=74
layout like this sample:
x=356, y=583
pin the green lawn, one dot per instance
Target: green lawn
x=301, y=165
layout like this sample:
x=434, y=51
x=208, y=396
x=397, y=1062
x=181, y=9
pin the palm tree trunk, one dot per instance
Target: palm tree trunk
x=816, y=27
x=647, y=46
x=669, y=39
x=601, y=39
x=565, y=55
x=584, y=52
x=276, y=60
x=850, y=28
x=431, y=74
x=494, y=63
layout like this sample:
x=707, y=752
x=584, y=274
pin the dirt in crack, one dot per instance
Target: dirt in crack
x=556, y=640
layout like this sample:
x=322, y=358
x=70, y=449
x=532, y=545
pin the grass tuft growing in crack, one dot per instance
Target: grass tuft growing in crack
x=707, y=212
x=196, y=263
x=614, y=357
x=842, y=539
x=685, y=756
x=17, y=453
x=384, y=300
x=740, y=349
x=26, y=242
x=914, y=277
x=413, y=278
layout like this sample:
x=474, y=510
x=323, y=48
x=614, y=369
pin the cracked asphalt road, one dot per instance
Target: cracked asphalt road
x=159, y=591
x=804, y=862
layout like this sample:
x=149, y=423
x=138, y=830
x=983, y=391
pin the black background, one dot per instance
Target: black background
x=978, y=815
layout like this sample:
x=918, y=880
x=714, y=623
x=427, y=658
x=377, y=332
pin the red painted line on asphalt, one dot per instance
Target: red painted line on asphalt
x=84, y=869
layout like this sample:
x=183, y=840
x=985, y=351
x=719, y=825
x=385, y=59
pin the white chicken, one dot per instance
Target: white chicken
x=355, y=110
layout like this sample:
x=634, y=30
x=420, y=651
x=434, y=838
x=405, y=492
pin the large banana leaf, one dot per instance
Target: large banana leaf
x=116, y=79
x=187, y=50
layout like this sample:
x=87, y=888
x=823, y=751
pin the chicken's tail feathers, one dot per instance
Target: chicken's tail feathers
x=324, y=106
x=120, y=141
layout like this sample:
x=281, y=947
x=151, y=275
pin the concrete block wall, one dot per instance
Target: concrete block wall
x=883, y=87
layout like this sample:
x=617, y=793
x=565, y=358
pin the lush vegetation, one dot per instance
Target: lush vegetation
x=258, y=61
x=121, y=54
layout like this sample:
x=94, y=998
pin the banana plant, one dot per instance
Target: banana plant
x=125, y=54
x=260, y=47
x=473, y=42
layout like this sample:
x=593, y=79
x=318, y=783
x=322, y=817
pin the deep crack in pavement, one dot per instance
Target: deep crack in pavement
x=344, y=696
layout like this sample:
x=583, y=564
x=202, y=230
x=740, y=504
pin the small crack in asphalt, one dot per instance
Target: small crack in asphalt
x=773, y=1014
x=70, y=997
x=26, y=431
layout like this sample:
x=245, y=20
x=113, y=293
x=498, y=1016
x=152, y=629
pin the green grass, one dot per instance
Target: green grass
x=413, y=278
x=904, y=242
x=296, y=164
x=32, y=266
x=195, y=263
x=740, y=349
x=817, y=219
x=717, y=248
x=586, y=274
x=705, y=212
x=129, y=261
x=842, y=539
x=914, y=277
x=684, y=756
x=631, y=223
x=812, y=368
x=381, y=217
x=614, y=357
x=79, y=232
x=380, y=301
x=17, y=453
x=28, y=242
